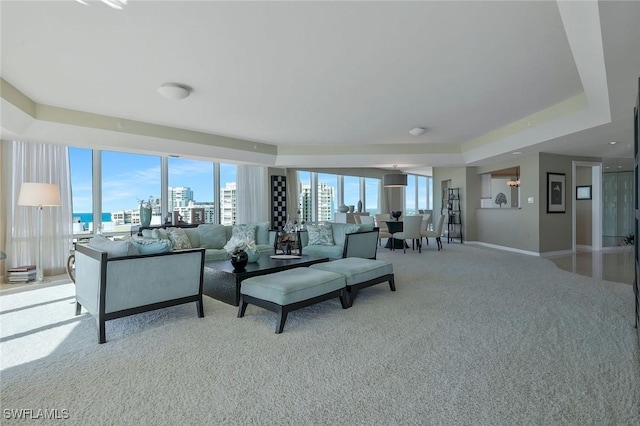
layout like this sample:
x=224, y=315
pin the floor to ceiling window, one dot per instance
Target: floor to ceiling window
x=127, y=180
x=371, y=191
x=228, y=173
x=351, y=191
x=326, y=192
x=410, y=196
x=191, y=190
x=305, y=195
x=425, y=192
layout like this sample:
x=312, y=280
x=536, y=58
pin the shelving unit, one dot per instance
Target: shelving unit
x=451, y=204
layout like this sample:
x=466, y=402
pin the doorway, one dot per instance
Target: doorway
x=586, y=201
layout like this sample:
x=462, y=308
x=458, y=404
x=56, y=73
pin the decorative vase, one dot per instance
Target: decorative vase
x=239, y=260
x=145, y=216
x=343, y=208
x=360, y=206
x=352, y=208
x=253, y=256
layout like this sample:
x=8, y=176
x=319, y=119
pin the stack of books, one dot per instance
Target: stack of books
x=22, y=274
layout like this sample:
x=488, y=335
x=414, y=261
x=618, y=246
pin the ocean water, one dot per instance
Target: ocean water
x=88, y=217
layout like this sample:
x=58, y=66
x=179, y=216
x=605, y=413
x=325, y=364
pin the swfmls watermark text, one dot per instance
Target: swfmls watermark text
x=35, y=414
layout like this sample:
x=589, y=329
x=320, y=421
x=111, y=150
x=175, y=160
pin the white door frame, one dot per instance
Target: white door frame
x=596, y=203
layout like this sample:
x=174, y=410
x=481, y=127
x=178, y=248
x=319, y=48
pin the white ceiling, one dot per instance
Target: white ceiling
x=337, y=83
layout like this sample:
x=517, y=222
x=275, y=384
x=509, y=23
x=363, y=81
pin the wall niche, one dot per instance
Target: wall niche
x=500, y=189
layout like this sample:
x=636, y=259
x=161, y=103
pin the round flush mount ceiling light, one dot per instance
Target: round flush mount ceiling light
x=613, y=143
x=174, y=91
x=417, y=131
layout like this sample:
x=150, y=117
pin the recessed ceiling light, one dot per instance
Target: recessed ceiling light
x=606, y=167
x=516, y=152
x=174, y=91
x=613, y=143
x=417, y=131
x=619, y=167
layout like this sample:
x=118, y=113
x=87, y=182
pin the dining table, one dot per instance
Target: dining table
x=395, y=226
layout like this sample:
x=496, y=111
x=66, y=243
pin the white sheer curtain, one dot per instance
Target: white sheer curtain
x=252, y=202
x=46, y=164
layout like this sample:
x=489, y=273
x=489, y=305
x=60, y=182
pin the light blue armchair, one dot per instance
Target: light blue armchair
x=115, y=287
x=346, y=244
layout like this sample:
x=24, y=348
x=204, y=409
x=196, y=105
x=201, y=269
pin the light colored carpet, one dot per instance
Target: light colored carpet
x=473, y=336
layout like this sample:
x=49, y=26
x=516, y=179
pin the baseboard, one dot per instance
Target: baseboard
x=583, y=247
x=556, y=253
x=505, y=248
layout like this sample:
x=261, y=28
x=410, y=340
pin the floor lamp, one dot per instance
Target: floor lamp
x=39, y=195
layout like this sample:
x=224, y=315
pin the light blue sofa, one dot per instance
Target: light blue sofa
x=217, y=236
x=114, y=287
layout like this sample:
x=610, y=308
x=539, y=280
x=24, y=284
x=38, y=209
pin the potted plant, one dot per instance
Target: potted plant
x=242, y=251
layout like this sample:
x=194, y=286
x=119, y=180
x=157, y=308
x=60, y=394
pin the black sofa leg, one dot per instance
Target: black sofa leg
x=345, y=300
x=282, y=318
x=102, y=335
x=242, y=308
x=200, y=308
x=392, y=284
x=351, y=295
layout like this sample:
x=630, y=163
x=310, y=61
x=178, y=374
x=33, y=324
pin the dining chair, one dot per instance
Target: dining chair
x=436, y=233
x=425, y=221
x=381, y=222
x=411, y=229
x=366, y=219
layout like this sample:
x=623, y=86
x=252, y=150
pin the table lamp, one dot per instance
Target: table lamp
x=39, y=195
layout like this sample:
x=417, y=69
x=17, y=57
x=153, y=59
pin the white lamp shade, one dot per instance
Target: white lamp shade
x=39, y=194
x=394, y=180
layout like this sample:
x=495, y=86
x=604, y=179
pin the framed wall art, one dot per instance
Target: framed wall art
x=556, y=193
x=197, y=215
x=583, y=192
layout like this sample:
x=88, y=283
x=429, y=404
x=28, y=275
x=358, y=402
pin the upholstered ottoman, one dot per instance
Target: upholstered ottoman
x=286, y=291
x=360, y=273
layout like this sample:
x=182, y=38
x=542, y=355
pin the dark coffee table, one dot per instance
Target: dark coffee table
x=223, y=283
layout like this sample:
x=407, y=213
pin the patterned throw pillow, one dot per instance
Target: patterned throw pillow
x=244, y=232
x=179, y=239
x=320, y=235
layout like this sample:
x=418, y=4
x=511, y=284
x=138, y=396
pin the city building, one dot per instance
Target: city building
x=228, y=204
